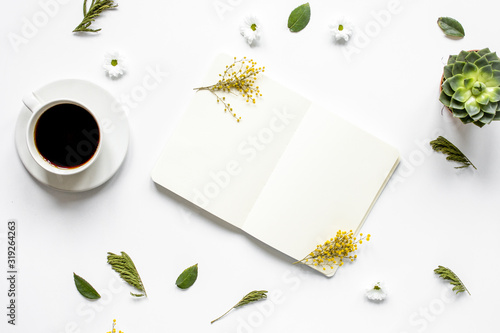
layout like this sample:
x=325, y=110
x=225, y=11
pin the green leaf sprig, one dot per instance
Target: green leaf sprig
x=89, y=16
x=251, y=297
x=448, y=274
x=188, y=277
x=454, y=154
x=299, y=18
x=451, y=27
x=84, y=288
x=124, y=266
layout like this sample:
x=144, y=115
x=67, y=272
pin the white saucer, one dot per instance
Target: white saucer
x=115, y=136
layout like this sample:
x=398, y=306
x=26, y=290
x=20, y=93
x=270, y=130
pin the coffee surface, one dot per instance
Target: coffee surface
x=67, y=135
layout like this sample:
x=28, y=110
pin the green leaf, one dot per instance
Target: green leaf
x=490, y=108
x=458, y=67
x=89, y=16
x=484, y=51
x=448, y=71
x=495, y=80
x=451, y=27
x=494, y=94
x=445, y=99
x=187, y=277
x=470, y=70
x=85, y=288
x=299, y=18
x=452, y=59
x=462, y=95
x=486, y=118
x=447, y=274
x=251, y=297
x=483, y=99
x=124, y=266
x=472, y=107
x=454, y=154
x=457, y=113
x=447, y=89
x=472, y=56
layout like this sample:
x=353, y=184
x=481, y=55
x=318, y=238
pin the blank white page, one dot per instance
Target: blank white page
x=327, y=180
x=222, y=165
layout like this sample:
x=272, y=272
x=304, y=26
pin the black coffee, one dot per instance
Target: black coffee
x=67, y=135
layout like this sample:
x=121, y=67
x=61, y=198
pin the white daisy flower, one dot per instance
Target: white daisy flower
x=342, y=29
x=376, y=292
x=114, y=64
x=250, y=29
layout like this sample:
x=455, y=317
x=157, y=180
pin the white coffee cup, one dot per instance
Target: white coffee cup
x=63, y=136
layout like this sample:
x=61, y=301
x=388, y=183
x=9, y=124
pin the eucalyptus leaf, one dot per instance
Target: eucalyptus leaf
x=451, y=27
x=299, y=18
x=188, y=277
x=85, y=288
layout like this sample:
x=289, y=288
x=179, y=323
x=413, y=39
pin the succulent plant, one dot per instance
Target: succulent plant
x=471, y=86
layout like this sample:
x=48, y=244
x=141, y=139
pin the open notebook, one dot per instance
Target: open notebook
x=290, y=173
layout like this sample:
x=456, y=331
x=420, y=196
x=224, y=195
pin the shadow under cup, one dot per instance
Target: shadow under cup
x=64, y=137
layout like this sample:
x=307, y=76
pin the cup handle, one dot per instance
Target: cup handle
x=32, y=102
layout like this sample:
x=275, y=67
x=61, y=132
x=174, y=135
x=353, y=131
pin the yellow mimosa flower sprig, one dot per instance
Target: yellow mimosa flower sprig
x=113, y=329
x=334, y=251
x=238, y=78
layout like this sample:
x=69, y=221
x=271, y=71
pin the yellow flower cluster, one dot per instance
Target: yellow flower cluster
x=238, y=77
x=113, y=330
x=334, y=251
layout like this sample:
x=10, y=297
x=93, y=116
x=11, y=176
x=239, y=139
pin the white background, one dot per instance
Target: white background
x=430, y=214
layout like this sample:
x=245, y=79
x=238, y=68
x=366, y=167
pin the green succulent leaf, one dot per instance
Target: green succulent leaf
x=457, y=113
x=485, y=73
x=484, y=51
x=492, y=56
x=472, y=57
x=447, y=89
x=462, y=55
x=477, y=116
x=454, y=104
x=448, y=71
x=299, y=18
x=481, y=62
x=458, y=67
x=456, y=81
x=494, y=81
x=472, y=107
x=490, y=108
x=466, y=120
x=470, y=70
x=483, y=99
x=495, y=64
x=188, y=277
x=451, y=27
x=462, y=95
x=469, y=83
x=487, y=118
x=494, y=93
x=445, y=99
x=452, y=59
